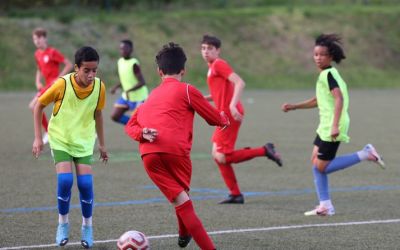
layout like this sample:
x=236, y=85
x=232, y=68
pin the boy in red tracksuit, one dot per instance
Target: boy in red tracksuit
x=48, y=61
x=226, y=88
x=163, y=126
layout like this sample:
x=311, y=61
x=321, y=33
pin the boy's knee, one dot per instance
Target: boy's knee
x=65, y=181
x=85, y=183
x=115, y=118
x=321, y=166
x=219, y=157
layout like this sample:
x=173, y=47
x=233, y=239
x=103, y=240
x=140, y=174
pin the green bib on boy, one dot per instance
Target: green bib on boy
x=326, y=106
x=129, y=80
x=73, y=128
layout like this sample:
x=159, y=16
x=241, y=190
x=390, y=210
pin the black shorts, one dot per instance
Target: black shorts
x=326, y=150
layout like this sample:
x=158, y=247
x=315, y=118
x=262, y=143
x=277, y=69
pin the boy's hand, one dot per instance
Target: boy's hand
x=103, y=154
x=335, y=133
x=127, y=95
x=235, y=113
x=39, y=86
x=287, y=107
x=149, y=134
x=225, y=120
x=37, y=147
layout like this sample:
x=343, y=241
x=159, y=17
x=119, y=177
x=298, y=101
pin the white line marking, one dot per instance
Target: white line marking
x=352, y=223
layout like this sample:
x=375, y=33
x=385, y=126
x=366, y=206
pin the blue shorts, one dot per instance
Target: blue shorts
x=121, y=102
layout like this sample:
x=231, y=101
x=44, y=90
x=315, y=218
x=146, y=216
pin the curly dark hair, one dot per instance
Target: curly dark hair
x=334, y=44
x=171, y=59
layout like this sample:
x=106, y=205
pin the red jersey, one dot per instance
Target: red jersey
x=221, y=89
x=170, y=110
x=48, y=62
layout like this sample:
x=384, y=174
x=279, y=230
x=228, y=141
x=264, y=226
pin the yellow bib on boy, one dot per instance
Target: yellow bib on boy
x=73, y=128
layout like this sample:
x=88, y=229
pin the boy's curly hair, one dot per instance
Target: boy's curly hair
x=334, y=44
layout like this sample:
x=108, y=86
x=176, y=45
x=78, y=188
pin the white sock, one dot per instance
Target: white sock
x=363, y=155
x=326, y=204
x=62, y=219
x=87, y=221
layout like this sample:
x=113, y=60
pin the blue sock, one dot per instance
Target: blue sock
x=85, y=186
x=124, y=119
x=64, y=185
x=321, y=184
x=342, y=162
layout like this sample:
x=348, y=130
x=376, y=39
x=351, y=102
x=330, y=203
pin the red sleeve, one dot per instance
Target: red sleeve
x=57, y=56
x=204, y=108
x=223, y=69
x=133, y=128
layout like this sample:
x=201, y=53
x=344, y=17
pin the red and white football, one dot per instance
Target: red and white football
x=133, y=240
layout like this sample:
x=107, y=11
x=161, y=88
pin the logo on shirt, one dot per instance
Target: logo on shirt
x=46, y=59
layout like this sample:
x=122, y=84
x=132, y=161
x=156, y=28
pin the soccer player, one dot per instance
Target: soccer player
x=132, y=83
x=78, y=99
x=332, y=100
x=163, y=126
x=226, y=89
x=48, y=61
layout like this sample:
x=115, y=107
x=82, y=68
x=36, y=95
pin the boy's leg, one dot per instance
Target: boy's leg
x=247, y=153
x=85, y=186
x=224, y=144
x=229, y=177
x=174, y=182
x=323, y=153
x=244, y=154
x=185, y=210
x=118, y=113
x=64, y=185
x=345, y=161
x=45, y=123
x=184, y=235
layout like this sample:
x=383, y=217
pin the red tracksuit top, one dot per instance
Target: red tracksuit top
x=170, y=110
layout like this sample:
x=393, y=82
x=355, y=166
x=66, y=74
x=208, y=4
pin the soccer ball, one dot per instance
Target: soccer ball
x=133, y=240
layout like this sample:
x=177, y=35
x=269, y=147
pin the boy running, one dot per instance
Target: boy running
x=132, y=83
x=48, y=61
x=226, y=89
x=76, y=118
x=332, y=100
x=163, y=126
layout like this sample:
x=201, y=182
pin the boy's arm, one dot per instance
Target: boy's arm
x=138, y=73
x=100, y=135
x=208, y=98
x=38, y=82
x=204, y=108
x=67, y=67
x=337, y=94
x=115, y=87
x=237, y=94
x=37, y=146
x=307, y=104
x=134, y=129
